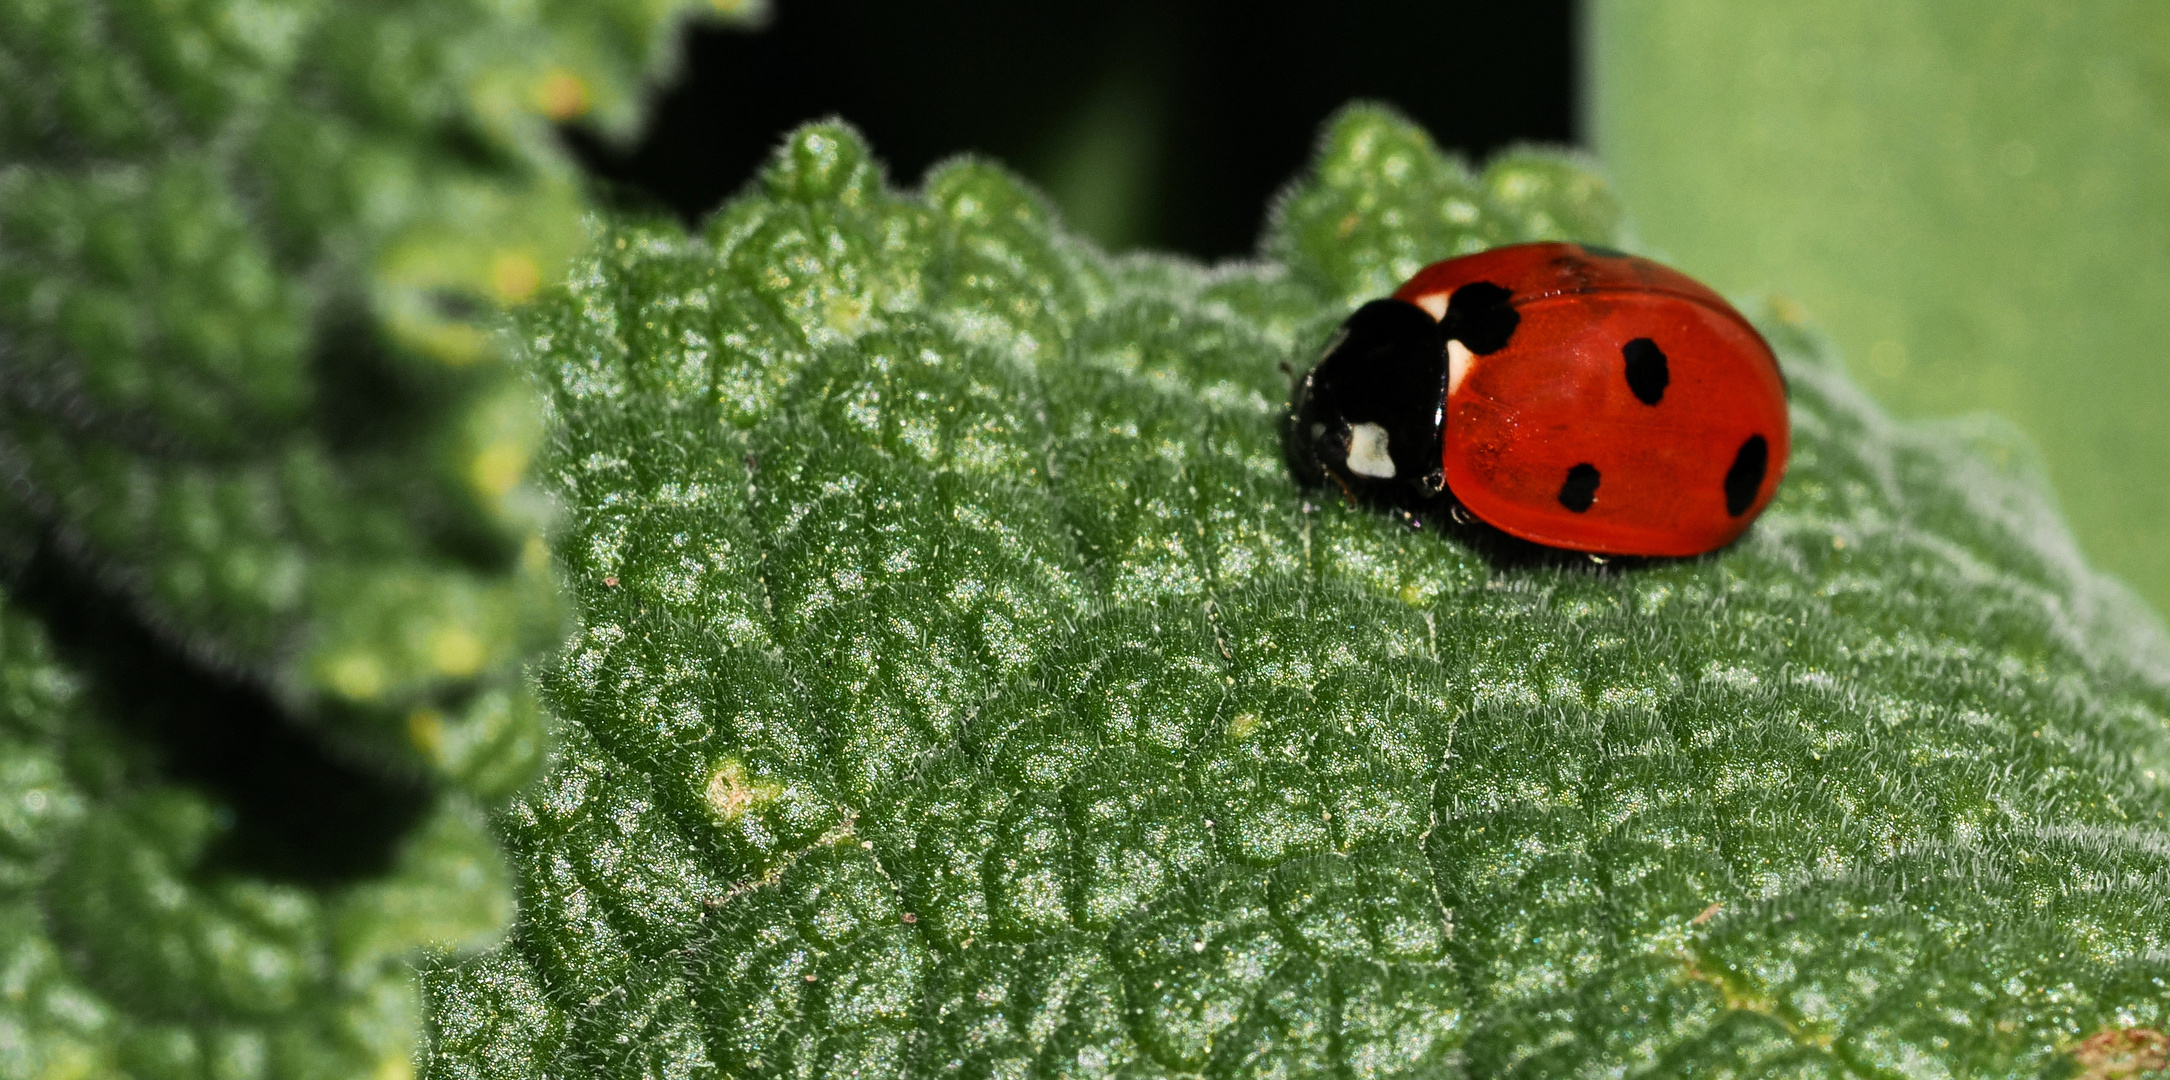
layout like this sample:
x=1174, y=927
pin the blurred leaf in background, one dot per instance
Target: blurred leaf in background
x=1973, y=196
x=141, y=933
x=249, y=259
x=270, y=566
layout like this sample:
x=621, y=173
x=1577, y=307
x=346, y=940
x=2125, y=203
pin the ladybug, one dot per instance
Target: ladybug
x=1570, y=395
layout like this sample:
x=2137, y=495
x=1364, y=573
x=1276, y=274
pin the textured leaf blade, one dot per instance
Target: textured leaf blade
x=1006, y=709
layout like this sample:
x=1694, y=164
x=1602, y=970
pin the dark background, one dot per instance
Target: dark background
x=1166, y=125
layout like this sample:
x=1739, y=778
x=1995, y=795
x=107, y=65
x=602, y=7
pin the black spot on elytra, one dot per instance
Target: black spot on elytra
x=1580, y=490
x=1646, y=372
x=1479, y=317
x=1745, y=478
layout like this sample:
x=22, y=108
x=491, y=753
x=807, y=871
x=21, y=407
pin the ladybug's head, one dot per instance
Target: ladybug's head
x=1367, y=415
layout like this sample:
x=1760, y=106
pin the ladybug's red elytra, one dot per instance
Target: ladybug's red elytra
x=1566, y=394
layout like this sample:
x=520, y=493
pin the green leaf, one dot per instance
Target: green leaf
x=250, y=258
x=133, y=948
x=967, y=689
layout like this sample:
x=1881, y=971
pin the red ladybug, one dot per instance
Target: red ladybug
x=1566, y=394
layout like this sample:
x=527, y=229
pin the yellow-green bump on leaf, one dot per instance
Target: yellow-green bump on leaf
x=968, y=691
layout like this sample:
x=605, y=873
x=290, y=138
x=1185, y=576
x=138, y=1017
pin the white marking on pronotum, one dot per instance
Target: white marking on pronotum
x=1367, y=452
x=1436, y=303
x=1458, y=358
